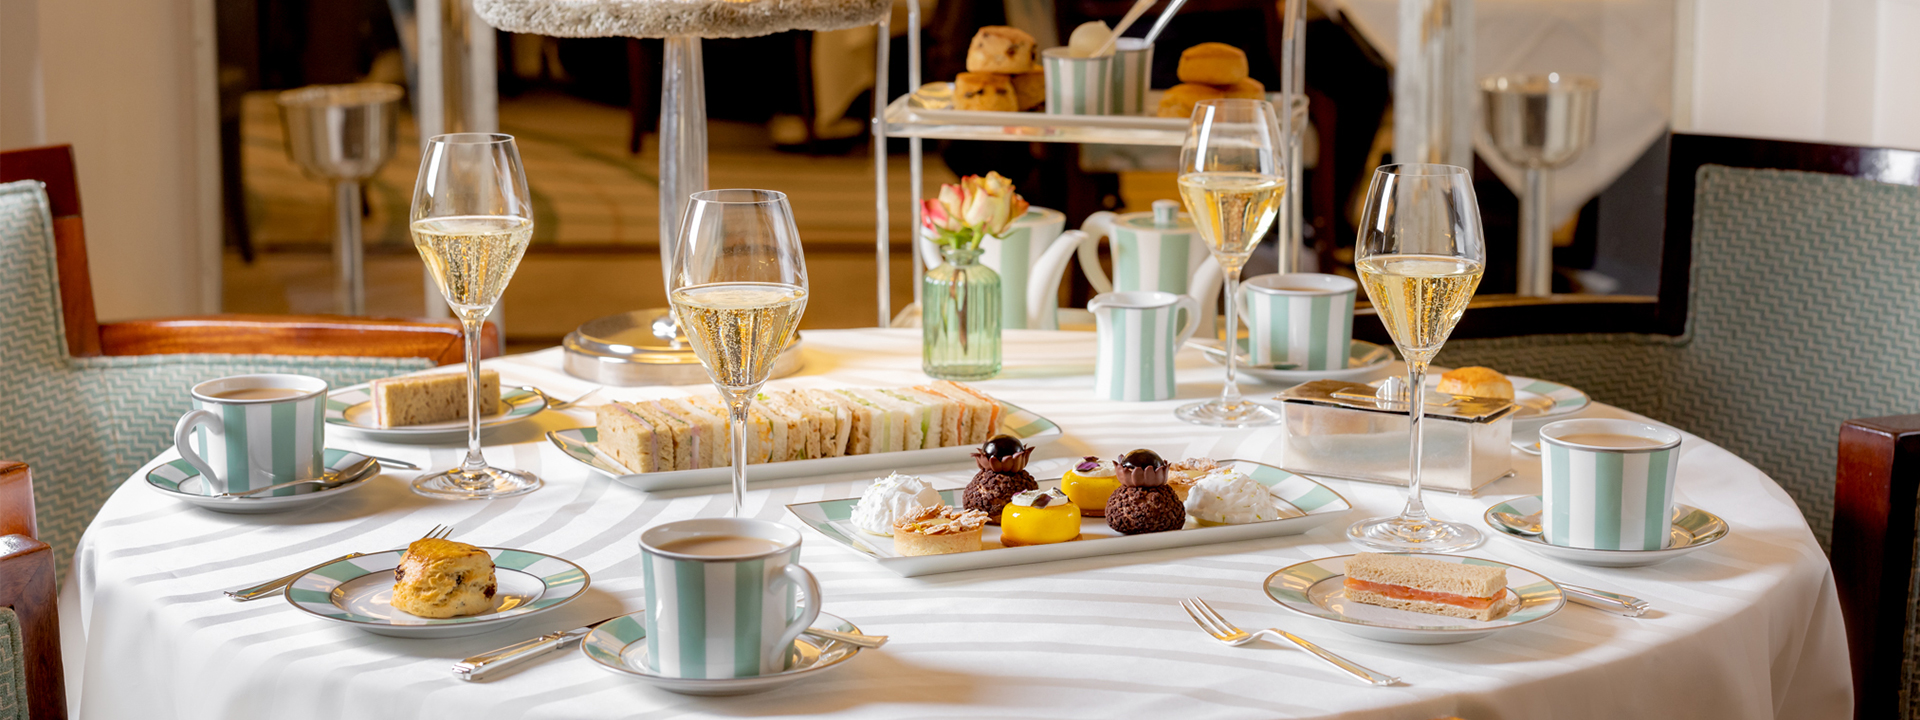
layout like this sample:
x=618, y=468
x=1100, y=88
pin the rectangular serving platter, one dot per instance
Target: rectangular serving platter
x=1314, y=505
x=577, y=444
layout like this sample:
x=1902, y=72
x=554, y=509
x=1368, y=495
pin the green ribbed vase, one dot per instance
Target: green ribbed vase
x=960, y=318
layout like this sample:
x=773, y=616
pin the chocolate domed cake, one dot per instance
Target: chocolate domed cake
x=1144, y=503
x=1003, y=474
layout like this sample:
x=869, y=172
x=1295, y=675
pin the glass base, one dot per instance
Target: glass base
x=1218, y=413
x=962, y=372
x=1399, y=534
x=488, y=483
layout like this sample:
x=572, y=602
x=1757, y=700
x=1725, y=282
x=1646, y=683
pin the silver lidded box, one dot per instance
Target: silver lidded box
x=1352, y=431
x=643, y=347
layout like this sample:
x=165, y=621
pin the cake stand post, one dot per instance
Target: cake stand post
x=882, y=231
x=914, y=159
x=683, y=140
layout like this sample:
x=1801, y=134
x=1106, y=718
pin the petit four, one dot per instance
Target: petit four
x=1426, y=585
x=442, y=579
x=1229, y=497
x=1183, y=474
x=1089, y=483
x=890, y=498
x=435, y=397
x=1478, y=382
x=1003, y=474
x=1144, y=503
x=1039, y=517
x=938, y=530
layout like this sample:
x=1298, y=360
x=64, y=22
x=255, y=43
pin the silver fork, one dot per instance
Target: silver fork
x=554, y=403
x=276, y=585
x=1226, y=632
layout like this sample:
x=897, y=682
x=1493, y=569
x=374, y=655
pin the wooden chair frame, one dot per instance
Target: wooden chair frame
x=27, y=586
x=1874, y=497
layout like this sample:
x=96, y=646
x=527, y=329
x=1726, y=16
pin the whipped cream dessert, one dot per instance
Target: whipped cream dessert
x=891, y=498
x=1228, y=497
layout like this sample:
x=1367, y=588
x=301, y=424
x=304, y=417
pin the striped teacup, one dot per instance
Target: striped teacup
x=1131, y=75
x=1077, y=85
x=1608, y=484
x=725, y=615
x=1299, y=319
x=249, y=431
x=1138, y=334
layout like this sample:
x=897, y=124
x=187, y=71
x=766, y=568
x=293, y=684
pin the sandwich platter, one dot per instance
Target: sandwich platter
x=578, y=444
x=1312, y=505
x=1317, y=589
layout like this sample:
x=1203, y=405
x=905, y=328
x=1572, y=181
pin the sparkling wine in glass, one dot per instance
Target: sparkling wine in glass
x=1233, y=178
x=738, y=287
x=1420, y=254
x=472, y=218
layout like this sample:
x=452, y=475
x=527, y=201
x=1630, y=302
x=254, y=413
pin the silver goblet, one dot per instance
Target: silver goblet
x=1539, y=123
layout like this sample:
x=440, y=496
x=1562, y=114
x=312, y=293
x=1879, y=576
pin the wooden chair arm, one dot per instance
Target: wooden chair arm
x=1873, y=535
x=26, y=585
x=293, y=335
x=16, y=500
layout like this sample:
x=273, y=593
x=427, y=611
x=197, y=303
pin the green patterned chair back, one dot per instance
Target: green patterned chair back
x=86, y=424
x=1802, y=311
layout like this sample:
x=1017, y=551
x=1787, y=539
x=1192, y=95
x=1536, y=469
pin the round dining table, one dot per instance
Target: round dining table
x=1748, y=627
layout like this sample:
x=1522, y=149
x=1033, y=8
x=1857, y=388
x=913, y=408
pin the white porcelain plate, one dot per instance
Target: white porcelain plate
x=357, y=592
x=1312, y=504
x=178, y=480
x=1693, y=529
x=1365, y=361
x=577, y=444
x=619, y=646
x=1316, y=589
x=350, y=409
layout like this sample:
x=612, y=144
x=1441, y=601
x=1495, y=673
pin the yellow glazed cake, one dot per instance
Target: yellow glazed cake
x=1039, y=517
x=1089, y=484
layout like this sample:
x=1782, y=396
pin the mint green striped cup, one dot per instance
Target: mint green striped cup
x=245, y=443
x=725, y=616
x=1077, y=85
x=1608, y=495
x=1131, y=75
x=1299, y=319
x=1138, y=334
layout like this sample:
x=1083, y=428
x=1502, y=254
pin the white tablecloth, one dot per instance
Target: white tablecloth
x=1746, y=629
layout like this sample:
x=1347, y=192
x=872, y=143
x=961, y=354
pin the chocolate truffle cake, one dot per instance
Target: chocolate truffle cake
x=1003, y=474
x=1144, y=503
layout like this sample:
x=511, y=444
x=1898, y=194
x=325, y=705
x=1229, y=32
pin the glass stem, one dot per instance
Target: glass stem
x=737, y=413
x=1416, y=510
x=475, y=463
x=1230, y=394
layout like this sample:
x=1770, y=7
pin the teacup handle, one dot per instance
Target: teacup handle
x=183, y=433
x=1098, y=225
x=799, y=577
x=1192, y=306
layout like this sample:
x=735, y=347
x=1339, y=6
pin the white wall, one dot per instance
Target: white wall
x=129, y=85
x=1838, y=71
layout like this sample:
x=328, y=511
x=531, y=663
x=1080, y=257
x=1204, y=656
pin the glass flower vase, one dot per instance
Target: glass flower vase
x=960, y=317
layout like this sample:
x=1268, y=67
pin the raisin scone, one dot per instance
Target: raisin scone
x=443, y=579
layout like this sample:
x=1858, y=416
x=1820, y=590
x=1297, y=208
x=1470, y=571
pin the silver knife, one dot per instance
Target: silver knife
x=273, y=586
x=477, y=667
x=1602, y=600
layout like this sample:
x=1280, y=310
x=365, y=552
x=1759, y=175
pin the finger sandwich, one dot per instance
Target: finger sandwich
x=1426, y=585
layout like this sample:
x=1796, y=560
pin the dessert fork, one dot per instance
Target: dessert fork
x=276, y=585
x=1226, y=632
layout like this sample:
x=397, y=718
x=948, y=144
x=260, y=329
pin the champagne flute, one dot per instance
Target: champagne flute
x=472, y=218
x=738, y=287
x=1232, y=177
x=1420, y=254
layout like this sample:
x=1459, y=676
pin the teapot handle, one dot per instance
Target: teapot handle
x=1098, y=225
x=1044, y=283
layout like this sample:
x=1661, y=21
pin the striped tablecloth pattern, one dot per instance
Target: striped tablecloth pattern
x=1747, y=629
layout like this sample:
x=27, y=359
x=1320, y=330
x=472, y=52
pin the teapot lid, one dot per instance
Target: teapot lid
x=1166, y=213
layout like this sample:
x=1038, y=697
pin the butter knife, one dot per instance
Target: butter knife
x=479, y=666
x=273, y=586
x=1602, y=600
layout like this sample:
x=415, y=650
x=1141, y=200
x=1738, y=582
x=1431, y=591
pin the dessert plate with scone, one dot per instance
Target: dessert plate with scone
x=619, y=646
x=1415, y=598
x=427, y=408
x=437, y=589
x=179, y=480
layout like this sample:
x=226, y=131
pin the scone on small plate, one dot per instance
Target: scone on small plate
x=443, y=579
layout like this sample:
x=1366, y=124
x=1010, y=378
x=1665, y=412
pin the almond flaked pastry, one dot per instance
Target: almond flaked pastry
x=941, y=520
x=1182, y=475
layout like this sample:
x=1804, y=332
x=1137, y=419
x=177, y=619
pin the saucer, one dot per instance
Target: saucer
x=178, y=480
x=1355, y=372
x=357, y=592
x=1693, y=529
x=350, y=409
x=1316, y=589
x=620, y=646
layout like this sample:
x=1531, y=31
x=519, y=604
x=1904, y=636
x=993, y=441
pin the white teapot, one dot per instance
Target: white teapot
x=1157, y=250
x=1031, y=258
